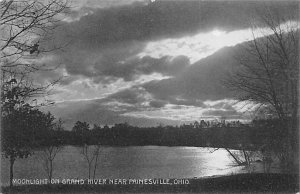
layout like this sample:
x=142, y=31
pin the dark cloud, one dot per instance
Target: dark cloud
x=167, y=18
x=185, y=101
x=194, y=84
x=140, y=94
x=95, y=112
x=132, y=95
x=157, y=103
x=104, y=46
x=102, y=40
x=163, y=65
x=129, y=69
x=200, y=81
x=112, y=64
x=99, y=62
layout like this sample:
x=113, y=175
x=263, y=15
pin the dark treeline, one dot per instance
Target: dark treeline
x=230, y=135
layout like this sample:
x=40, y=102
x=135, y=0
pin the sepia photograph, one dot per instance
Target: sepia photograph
x=149, y=96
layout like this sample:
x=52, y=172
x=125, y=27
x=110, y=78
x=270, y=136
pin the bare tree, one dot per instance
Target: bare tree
x=25, y=23
x=51, y=147
x=268, y=72
x=241, y=157
x=48, y=155
x=91, y=154
x=24, y=27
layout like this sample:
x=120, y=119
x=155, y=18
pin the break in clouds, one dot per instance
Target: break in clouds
x=147, y=63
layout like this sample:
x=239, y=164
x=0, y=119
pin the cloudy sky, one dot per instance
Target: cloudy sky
x=150, y=62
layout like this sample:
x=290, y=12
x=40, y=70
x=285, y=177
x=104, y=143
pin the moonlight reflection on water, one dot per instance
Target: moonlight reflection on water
x=130, y=162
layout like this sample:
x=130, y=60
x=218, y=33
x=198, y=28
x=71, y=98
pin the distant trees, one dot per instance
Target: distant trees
x=81, y=131
x=268, y=75
x=194, y=134
x=81, y=127
x=201, y=124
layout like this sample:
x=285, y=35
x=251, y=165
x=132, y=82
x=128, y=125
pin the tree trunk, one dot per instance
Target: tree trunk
x=89, y=169
x=291, y=145
x=294, y=143
x=236, y=160
x=95, y=167
x=246, y=157
x=11, y=170
x=50, y=170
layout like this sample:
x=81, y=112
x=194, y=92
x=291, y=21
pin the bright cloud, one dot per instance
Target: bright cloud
x=186, y=113
x=82, y=88
x=171, y=112
x=202, y=45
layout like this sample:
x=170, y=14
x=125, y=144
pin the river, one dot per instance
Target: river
x=128, y=162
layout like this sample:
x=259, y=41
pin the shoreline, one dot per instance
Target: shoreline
x=255, y=182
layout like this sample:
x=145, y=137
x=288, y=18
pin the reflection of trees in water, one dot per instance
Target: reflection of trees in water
x=246, y=158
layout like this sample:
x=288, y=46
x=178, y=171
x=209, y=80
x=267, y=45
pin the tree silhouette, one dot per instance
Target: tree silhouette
x=23, y=23
x=24, y=26
x=23, y=129
x=81, y=131
x=268, y=74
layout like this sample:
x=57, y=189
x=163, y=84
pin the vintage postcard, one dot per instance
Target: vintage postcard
x=149, y=96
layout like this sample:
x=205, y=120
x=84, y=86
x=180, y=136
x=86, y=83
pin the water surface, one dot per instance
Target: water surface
x=128, y=162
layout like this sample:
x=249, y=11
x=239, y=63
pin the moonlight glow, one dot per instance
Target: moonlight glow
x=217, y=33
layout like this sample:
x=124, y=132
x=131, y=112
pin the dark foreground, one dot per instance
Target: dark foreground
x=270, y=183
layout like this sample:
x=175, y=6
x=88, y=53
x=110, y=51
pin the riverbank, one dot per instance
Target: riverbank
x=258, y=182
